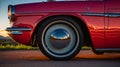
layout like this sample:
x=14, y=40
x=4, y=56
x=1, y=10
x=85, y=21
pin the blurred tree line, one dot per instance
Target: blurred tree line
x=7, y=41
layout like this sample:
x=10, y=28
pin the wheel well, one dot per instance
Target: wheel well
x=87, y=38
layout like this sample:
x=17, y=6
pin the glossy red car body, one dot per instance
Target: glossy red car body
x=101, y=17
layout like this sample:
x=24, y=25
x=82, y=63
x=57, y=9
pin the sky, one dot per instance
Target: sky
x=4, y=22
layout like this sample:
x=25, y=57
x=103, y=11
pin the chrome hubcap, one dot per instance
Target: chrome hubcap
x=60, y=38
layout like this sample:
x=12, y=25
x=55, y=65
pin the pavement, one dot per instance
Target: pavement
x=34, y=58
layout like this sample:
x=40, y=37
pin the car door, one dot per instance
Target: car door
x=112, y=19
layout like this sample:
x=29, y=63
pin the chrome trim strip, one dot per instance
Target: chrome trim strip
x=47, y=12
x=102, y=14
x=108, y=49
x=18, y=29
x=83, y=13
x=114, y=14
x=16, y=32
x=93, y=14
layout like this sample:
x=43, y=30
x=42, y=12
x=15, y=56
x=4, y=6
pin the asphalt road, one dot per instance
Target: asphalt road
x=29, y=58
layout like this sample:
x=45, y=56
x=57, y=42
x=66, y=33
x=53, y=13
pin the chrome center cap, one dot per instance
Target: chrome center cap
x=60, y=38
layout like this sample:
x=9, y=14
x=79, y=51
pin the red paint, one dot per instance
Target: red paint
x=104, y=31
x=113, y=24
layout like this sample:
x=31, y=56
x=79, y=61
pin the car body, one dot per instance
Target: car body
x=98, y=20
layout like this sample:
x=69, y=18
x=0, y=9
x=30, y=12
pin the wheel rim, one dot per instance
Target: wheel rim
x=60, y=38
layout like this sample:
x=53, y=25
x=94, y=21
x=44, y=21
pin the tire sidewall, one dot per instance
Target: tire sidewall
x=40, y=35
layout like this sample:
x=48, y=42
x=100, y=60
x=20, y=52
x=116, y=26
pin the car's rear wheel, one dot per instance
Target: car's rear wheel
x=60, y=38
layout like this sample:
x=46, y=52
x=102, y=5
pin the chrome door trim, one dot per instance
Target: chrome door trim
x=101, y=14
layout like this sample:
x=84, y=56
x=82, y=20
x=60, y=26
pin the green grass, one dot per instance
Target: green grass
x=86, y=48
x=18, y=47
x=24, y=47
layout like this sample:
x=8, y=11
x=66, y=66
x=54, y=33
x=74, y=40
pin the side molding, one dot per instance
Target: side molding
x=17, y=30
x=101, y=14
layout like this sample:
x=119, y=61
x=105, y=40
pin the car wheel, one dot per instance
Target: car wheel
x=60, y=38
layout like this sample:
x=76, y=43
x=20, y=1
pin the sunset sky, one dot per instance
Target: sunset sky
x=4, y=22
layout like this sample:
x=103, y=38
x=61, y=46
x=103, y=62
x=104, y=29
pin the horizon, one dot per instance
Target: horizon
x=3, y=33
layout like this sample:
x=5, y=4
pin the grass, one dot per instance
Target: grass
x=17, y=47
x=24, y=47
x=86, y=48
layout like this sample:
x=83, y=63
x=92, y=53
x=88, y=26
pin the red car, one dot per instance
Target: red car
x=61, y=28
